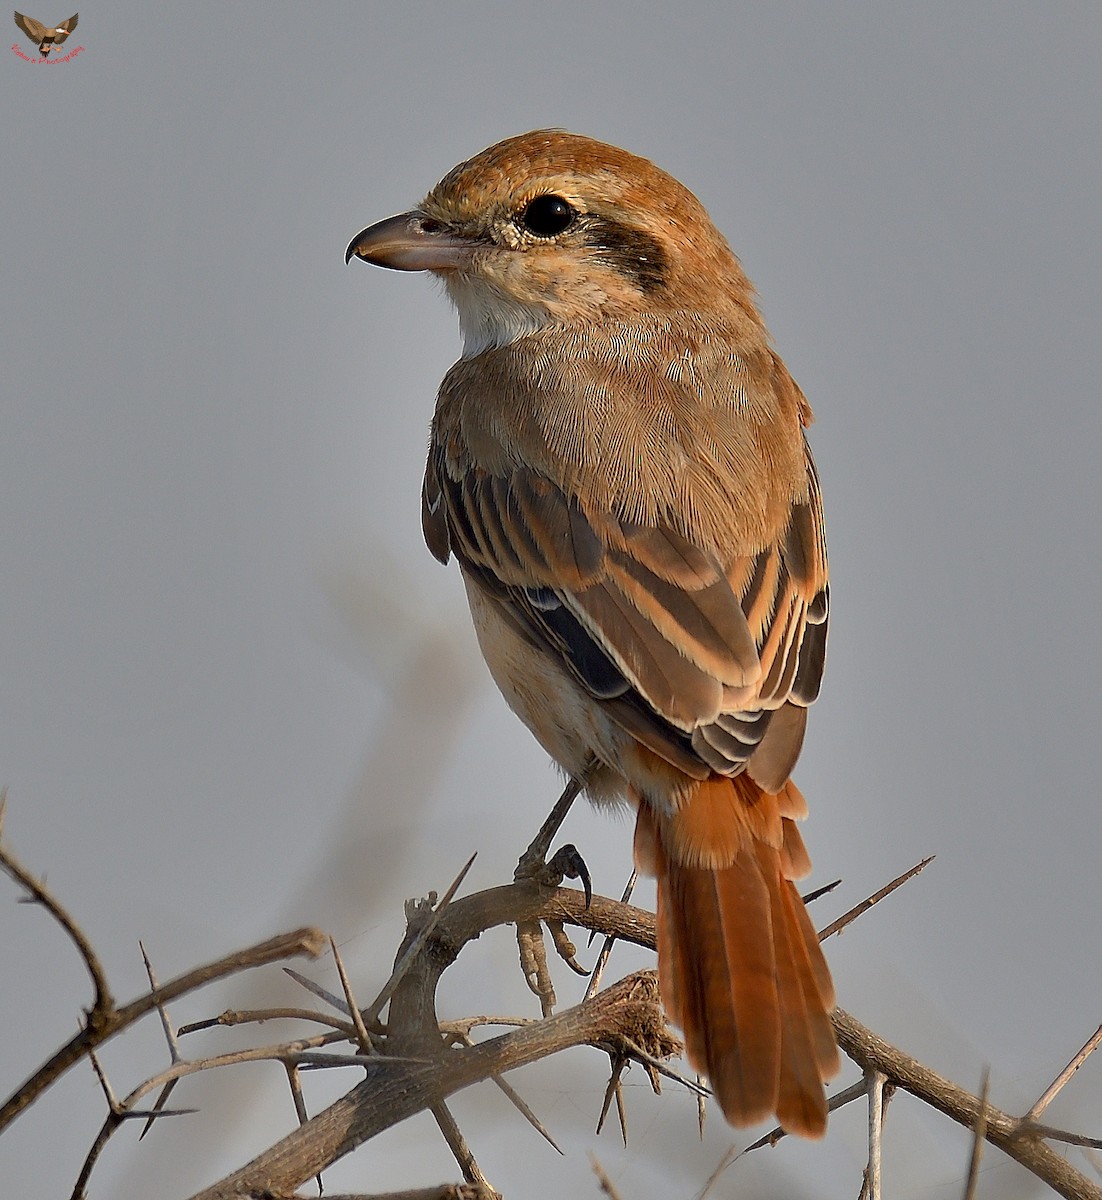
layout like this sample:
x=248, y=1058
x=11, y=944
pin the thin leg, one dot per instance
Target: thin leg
x=535, y=867
x=534, y=859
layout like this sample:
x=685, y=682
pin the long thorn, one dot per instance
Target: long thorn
x=979, y=1133
x=1050, y=1093
x=371, y=1013
x=362, y=1036
x=610, y=941
x=847, y=918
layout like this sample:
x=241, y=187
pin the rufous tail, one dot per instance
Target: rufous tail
x=739, y=963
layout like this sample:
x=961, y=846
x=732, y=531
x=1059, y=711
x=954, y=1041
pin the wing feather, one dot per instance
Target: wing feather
x=668, y=681
x=64, y=29
x=35, y=30
x=707, y=656
x=706, y=624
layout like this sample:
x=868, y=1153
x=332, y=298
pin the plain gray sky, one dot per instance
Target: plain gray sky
x=239, y=695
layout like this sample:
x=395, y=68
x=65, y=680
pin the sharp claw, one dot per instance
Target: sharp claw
x=568, y=863
x=587, y=883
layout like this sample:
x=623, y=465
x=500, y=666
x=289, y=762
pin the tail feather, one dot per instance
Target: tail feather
x=742, y=974
x=819, y=987
x=808, y=1050
x=722, y=989
x=746, y=1067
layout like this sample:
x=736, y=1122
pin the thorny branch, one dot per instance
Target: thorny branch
x=105, y=1020
x=356, y=1117
x=39, y=893
x=421, y=1065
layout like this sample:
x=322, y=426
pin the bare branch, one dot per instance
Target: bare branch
x=117, y=1115
x=624, y=1021
x=358, y=1116
x=871, y=1052
x=39, y=893
x=367, y=1109
x=1050, y=1132
x=291, y=1055
x=371, y=1013
x=301, y=941
x=440, y=1191
x=874, y=1086
x=257, y=1016
x=461, y=1028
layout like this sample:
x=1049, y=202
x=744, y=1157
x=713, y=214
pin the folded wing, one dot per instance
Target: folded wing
x=709, y=663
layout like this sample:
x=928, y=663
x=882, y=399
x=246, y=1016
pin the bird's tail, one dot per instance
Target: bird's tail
x=739, y=962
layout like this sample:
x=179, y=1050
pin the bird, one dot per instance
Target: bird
x=46, y=38
x=618, y=462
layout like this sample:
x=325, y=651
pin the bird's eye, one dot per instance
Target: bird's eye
x=547, y=216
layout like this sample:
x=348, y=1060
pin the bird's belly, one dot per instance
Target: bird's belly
x=565, y=720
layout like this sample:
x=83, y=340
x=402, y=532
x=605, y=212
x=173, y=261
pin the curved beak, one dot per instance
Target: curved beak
x=411, y=242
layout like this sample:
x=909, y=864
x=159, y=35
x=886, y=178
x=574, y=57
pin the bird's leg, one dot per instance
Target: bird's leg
x=535, y=867
x=566, y=862
x=535, y=857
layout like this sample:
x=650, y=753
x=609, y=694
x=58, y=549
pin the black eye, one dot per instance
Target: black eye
x=547, y=216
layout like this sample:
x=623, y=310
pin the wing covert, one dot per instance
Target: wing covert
x=711, y=665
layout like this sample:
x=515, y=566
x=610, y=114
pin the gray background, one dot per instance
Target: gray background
x=239, y=695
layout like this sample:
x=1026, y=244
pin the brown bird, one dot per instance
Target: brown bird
x=47, y=39
x=618, y=463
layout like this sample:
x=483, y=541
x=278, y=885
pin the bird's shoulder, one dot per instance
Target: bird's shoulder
x=694, y=421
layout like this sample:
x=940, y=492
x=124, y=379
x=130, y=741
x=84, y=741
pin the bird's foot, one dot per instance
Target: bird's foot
x=536, y=868
x=567, y=862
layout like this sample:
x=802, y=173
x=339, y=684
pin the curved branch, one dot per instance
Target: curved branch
x=412, y=1027
x=367, y=1110
x=41, y=894
x=302, y=941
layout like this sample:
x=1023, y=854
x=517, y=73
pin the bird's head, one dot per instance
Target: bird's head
x=554, y=228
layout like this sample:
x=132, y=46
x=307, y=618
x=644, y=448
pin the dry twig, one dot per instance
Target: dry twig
x=39, y=893
x=103, y=1024
x=875, y=1082
x=413, y=1046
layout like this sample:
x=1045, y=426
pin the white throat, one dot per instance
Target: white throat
x=489, y=318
